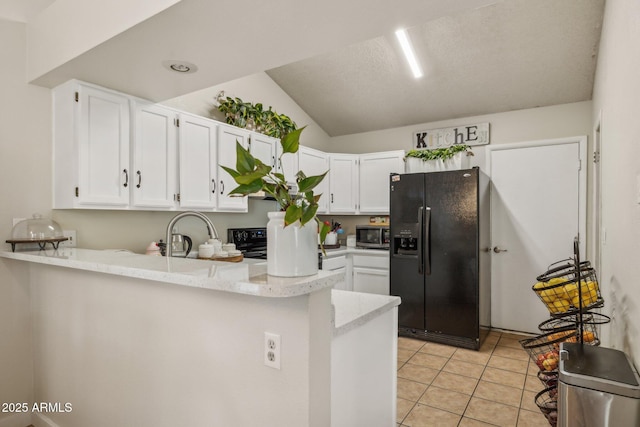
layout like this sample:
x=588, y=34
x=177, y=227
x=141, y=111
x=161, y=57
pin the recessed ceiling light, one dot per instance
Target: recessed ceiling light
x=180, y=66
x=407, y=49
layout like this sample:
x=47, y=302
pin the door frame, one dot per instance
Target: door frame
x=582, y=176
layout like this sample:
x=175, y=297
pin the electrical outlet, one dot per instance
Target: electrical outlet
x=272, y=350
x=71, y=243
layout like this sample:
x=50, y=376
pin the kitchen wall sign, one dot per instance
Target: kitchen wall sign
x=477, y=134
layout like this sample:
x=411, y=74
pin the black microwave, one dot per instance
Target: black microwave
x=372, y=237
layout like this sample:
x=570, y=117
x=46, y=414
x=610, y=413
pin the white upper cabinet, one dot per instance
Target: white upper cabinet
x=374, y=170
x=91, y=148
x=288, y=163
x=269, y=151
x=198, y=160
x=343, y=183
x=314, y=162
x=263, y=148
x=154, y=160
x=227, y=137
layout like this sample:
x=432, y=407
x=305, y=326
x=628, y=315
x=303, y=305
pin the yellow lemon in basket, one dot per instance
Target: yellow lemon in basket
x=589, y=297
x=571, y=290
x=560, y=305
x=575, y=301
x=556, y=281
x=548, y=296
x=539, y=285
x=591, y=285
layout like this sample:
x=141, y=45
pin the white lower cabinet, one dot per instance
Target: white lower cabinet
x=371, y=280
x=371, y=274
x=363, y=272
x=337, y=263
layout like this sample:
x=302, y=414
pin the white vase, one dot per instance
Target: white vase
x=292, y=251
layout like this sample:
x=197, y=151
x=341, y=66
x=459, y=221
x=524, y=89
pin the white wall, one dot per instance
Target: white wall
x=25, y=171
x=617, y=86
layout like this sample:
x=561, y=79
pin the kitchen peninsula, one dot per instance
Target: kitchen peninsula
x=130, y=339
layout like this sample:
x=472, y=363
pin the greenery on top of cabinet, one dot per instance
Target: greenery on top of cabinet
x=439, y=153
x=254, y=117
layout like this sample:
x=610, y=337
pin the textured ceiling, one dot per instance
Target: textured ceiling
x=510, y=55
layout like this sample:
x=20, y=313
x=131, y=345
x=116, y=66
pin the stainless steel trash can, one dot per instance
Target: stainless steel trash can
x=597, y=387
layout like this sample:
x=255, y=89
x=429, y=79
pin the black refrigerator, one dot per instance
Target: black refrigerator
x=440, y=257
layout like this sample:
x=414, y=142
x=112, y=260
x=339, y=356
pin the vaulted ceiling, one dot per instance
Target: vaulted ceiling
x=341, y=63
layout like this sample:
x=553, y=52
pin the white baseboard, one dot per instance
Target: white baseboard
x=22, y=419
x=40, y=420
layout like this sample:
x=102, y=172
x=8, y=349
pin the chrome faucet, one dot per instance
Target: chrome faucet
x=213, y=233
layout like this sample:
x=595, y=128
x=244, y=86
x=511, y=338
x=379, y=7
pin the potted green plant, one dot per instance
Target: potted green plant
x=292, y=233
x=255, y=117
x=438, y=159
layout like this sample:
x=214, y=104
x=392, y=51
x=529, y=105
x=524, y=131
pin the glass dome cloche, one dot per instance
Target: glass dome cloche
x=37, y=230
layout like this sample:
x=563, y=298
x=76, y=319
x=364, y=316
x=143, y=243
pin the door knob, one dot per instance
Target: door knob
x=498, y=250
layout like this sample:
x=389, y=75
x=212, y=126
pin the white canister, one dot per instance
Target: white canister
x=228, y=247
x=205, y=250
x=217, y=245
x=331, y=239
x=351, y=241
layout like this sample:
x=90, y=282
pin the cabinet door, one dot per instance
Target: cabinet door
x=371, y=280
x=374, y=169
x=227, y=137
x=343, y=183
x=104, y=177
x=197, y=153
x=263, y=148
x=287, y=163
x=154, y=156
x=314, y=162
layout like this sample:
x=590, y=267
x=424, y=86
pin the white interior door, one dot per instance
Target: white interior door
x=538, y=206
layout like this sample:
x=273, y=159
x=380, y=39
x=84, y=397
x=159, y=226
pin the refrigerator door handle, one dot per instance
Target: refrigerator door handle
x=427, y=241
x=419, y=242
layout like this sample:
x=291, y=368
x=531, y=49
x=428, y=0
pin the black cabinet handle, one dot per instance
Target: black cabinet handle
x=213, y=181
x=139, y=179
x=126, y=177
x=221, y=187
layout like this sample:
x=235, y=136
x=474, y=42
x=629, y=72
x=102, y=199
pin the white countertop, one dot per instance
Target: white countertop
x=248, y=277
x=344, y=250
x=353, y=309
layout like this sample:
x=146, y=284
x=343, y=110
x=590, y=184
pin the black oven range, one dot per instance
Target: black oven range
x=251, y=241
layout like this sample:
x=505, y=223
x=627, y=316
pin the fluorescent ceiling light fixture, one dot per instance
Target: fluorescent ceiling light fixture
x=405, y=43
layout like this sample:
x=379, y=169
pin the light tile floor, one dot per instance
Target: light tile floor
x=442, y=386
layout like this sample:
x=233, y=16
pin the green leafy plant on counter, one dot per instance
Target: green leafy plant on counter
x=440, y=153
x=255, y=117
x=252, y=176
